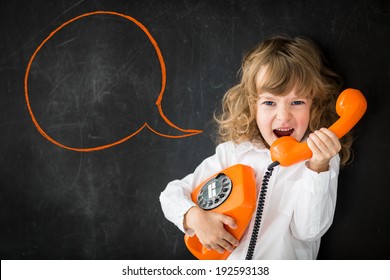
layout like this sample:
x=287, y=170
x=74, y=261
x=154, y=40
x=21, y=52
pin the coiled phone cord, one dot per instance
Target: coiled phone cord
x=259, y=210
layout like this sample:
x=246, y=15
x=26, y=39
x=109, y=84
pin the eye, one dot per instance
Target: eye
x=268, y=103
x=298, y=102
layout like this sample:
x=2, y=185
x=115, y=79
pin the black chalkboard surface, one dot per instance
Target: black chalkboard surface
x=85, y=150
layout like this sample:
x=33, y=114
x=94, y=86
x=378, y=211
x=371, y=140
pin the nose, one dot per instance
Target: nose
x=283, y=113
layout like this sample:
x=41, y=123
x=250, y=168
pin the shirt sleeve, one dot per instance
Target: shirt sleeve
x=315, y=203
x=176, y=198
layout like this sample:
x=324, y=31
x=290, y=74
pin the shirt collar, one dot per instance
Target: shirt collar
x=246, y=146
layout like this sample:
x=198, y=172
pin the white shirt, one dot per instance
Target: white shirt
x=299, y=206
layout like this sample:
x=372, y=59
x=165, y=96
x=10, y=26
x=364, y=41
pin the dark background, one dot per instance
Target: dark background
x=97, y=81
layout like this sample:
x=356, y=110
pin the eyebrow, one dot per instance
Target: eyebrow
x=267, y=95
x=270, y=96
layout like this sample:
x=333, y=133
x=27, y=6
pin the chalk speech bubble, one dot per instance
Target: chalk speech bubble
x=186, y=132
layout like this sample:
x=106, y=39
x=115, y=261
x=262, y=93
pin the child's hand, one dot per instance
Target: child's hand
x=324, y=144
x=209, y=228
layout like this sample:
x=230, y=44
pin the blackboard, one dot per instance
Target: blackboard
x=96, y=82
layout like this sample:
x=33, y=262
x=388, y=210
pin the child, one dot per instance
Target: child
x=285, y=89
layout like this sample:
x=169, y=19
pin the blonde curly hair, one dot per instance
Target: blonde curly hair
x=289, y=62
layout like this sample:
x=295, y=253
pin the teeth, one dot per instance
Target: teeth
x=283, y=129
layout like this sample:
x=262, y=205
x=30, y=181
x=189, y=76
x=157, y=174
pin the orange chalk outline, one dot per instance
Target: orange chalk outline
x=189, y=132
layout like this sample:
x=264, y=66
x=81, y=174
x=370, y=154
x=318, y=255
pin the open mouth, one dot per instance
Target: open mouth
x=280, y=132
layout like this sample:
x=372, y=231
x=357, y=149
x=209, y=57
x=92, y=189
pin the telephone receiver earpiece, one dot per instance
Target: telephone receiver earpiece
x=350, y=106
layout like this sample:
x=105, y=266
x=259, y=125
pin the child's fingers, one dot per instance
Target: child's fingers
x=227, y=245
x=312, y=145
x=226, y=242
x=221, y=240
x=326, y=142
x=222, y=243
x=217, y=248
x=331, y=138
x=229, y=221
x=211, y=231
x=313, y=142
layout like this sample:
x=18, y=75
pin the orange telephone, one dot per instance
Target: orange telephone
x=233, y=190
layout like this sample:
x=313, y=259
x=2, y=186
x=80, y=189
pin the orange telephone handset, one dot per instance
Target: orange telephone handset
x=350, y=106
x=231, y=192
